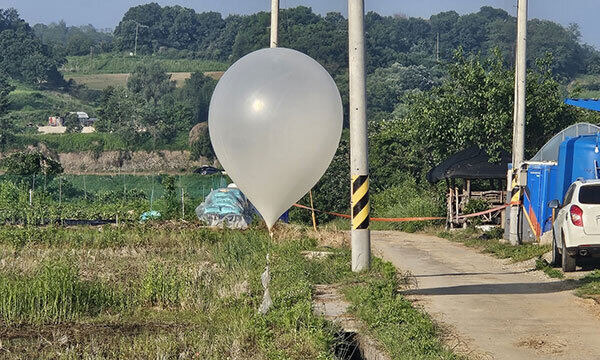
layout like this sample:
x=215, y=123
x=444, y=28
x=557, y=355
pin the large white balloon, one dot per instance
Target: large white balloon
x=275, y=123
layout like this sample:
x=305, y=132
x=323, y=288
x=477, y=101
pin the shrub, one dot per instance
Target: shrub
x=72, y=123
x=476, y=205
x=408, y=200
x=170, y=206
x=34, y=163
x=200, y=144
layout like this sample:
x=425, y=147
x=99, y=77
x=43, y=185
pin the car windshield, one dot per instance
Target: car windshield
x=590, y=194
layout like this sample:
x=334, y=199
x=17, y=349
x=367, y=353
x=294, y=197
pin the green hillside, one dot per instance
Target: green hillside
x=586, y=86
x=120, y=63
x=32, y=106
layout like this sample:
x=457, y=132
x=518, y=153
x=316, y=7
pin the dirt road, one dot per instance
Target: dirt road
x=495, y=310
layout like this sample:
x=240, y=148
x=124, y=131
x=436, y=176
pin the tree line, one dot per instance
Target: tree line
x=182, y=32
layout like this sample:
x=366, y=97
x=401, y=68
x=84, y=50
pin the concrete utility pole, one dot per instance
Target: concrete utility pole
x=519, y=119
x=359, y=164
x=274, y=23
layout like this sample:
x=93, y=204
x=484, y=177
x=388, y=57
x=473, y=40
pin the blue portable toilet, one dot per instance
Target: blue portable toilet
x=579, y=157
x=537, y=195
x=569, y=155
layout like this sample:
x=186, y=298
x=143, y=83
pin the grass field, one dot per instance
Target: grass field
x=176, y=291
x=102, y=81
x=122, y=64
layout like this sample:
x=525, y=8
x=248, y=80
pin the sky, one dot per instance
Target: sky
x=107, y=13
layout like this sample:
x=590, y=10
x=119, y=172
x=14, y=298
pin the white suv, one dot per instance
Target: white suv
x=577, y=224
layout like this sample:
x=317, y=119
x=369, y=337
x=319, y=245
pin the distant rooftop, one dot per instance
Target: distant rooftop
x=590, y=104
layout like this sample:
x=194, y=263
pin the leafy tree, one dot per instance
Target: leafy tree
x=118, y=107
x=324, y=39
x=197, y=92
x=386, y=86
x=147, y=108
x=7, y=127
x=72, y=123
x=179, y=113
x=151, y=81
x=253, y=34
x=156, y=122
x=28, y=164
x=473, y=106
x=170, y=27
x=121, y=112
x=24, y=56
x=200, y=144
x=546, y=37
x=79, y=44
x=5, y=89
x=74, y=40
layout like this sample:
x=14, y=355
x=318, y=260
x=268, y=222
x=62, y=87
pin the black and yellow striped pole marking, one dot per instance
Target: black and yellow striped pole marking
x=360, y=202
x=515, y=194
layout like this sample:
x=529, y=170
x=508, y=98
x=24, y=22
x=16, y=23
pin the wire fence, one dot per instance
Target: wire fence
x=43, y=199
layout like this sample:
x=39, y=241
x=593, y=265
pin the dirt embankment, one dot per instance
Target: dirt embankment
x=129, y=162
x=110, y=162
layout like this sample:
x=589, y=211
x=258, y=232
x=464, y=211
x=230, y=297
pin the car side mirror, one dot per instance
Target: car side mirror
x=554, y=204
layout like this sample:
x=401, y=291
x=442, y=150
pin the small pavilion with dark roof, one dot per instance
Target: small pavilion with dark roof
x=472, y=164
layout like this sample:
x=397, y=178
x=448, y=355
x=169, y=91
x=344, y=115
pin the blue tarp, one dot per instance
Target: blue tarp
x=226, y=207
x=590, y=104
x=150, y=215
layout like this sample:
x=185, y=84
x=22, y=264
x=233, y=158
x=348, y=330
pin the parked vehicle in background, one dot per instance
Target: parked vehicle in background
x=577, y=224
x=207, y=170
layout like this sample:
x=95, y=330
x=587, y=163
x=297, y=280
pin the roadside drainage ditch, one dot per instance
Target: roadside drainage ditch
x=352, y=344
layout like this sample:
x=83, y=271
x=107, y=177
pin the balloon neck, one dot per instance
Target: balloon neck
x=271, y=234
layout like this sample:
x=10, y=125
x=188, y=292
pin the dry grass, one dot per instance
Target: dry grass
x=325, y=236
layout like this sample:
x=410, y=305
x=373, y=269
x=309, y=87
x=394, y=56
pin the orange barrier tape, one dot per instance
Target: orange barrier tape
x=407, y=219
x=502, y=207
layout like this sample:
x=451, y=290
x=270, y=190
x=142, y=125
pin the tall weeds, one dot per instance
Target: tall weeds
x=53, y=294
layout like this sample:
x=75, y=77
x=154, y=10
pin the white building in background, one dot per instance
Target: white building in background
x=84, y=119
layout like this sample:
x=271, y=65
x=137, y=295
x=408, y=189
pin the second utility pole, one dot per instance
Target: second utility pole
x=519, y=121
x=274, y=23
x=359, y=164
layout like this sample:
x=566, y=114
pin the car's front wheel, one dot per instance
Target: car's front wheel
x=556, y=257
x=568, y=261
